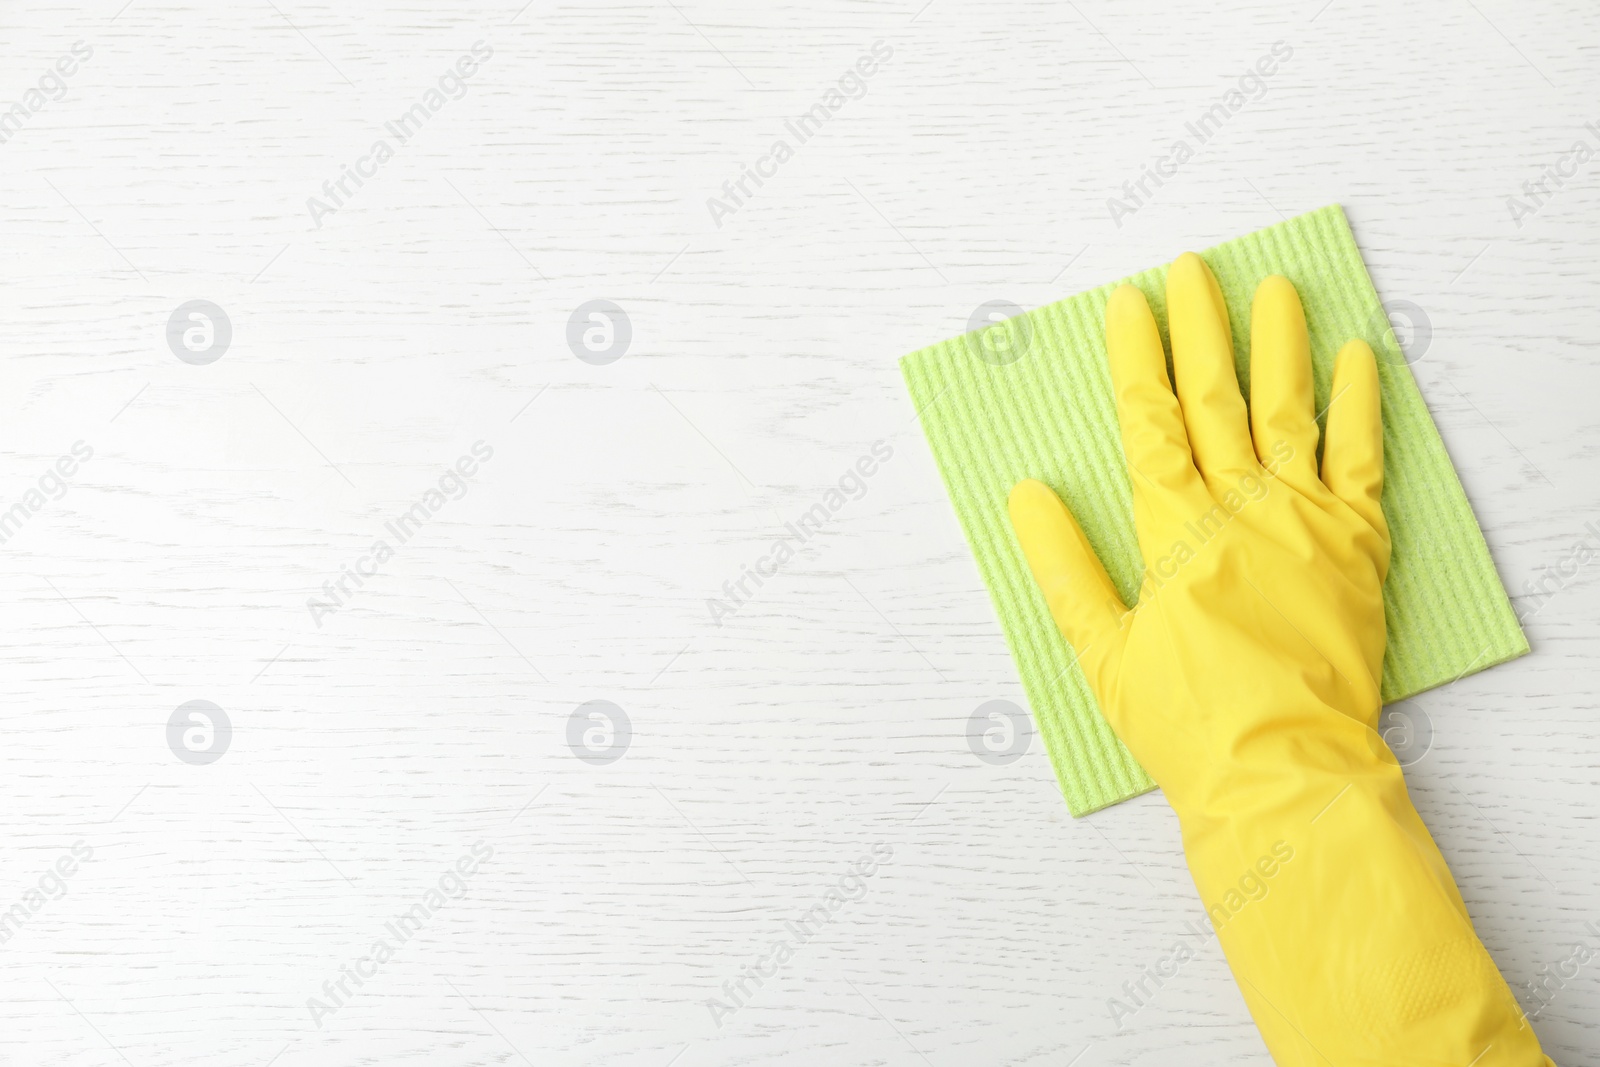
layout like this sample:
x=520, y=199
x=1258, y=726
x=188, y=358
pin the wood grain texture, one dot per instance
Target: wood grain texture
x=828, y=715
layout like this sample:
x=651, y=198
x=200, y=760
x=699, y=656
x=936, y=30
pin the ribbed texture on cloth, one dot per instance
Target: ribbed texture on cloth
x=1050, y=415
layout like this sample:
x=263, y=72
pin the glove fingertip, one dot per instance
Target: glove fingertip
x=1069, y=575
x=1352, y=454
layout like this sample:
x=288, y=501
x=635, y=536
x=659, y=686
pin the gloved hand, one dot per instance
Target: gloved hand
x=1246, y=680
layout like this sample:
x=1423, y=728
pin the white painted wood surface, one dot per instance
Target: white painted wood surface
x=827, y=716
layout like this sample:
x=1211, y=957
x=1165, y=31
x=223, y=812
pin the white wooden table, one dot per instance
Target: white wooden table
x=375, y=741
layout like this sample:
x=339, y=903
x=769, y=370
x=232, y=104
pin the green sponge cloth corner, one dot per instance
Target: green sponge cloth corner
x=1049, y=414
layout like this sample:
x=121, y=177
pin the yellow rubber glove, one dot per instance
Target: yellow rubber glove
x=1246, y=680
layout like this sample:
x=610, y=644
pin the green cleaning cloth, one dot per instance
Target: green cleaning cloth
x=1031, y=398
